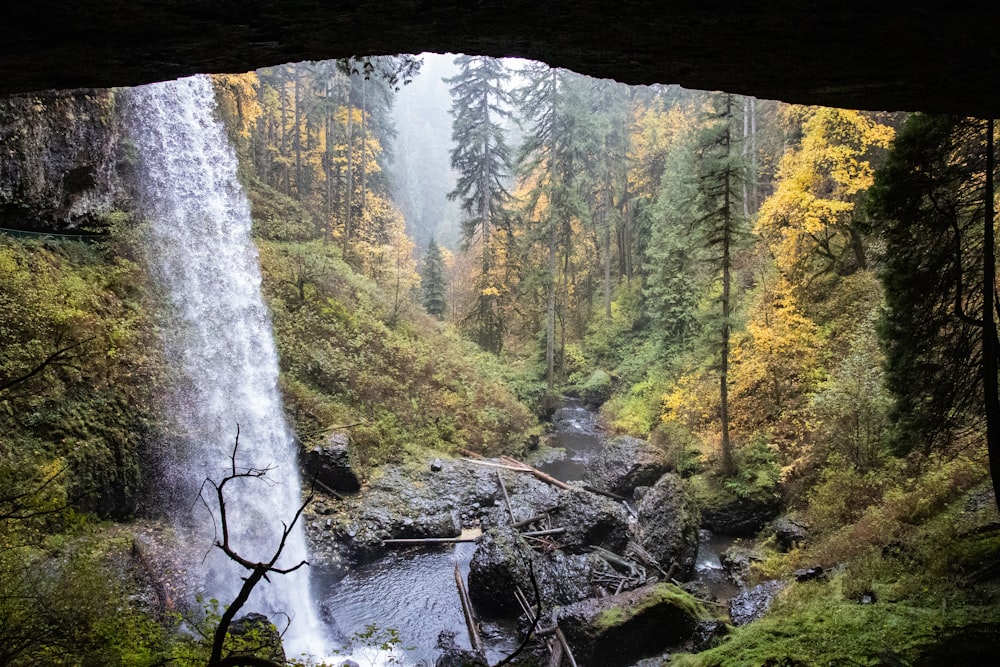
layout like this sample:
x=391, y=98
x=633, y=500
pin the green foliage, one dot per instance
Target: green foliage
x=433, y=281
x=278, y=217
x=927, y=205
x=376, y=645
x=757, y=471
x=77, y=364
x=815, y=624
x=407, y=384
x=67, y=603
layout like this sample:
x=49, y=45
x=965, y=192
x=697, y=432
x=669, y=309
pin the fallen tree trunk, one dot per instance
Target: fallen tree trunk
x=429, y=540
x=470, y=619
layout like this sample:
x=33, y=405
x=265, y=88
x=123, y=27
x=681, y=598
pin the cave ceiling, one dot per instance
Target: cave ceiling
x=940, y=57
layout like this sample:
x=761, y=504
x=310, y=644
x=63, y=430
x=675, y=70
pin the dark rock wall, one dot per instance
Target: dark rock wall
x=874, y=55
x=58, y=154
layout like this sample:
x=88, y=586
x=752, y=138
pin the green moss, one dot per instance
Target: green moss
x=660, y=594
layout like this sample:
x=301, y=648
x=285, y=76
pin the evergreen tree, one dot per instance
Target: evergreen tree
x=432, y=281
x=480, y=104
x=550, y=161
x=927, y=204
x=719, y=172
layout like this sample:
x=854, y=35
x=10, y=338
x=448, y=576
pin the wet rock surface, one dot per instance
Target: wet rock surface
x=736, y=561
x=752, y=604
x=501, y=565
x=60, y=160
x=623, y=464
x=591, y=520
x=259, y=633
x=621, y=629
x=399, y=504
x=330, y=464
x=788, y=534
x=668, y=526
x=454, y=656
x=740, y=517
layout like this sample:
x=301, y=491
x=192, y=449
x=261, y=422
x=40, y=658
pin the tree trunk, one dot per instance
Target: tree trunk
x=349, y=176
x=990, y=344
x=728, y=463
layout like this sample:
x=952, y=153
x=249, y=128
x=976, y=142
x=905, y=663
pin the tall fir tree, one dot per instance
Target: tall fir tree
x=433, y=283
x=550, y=161
x=480, y=105
x=719, y=172
x=933, y=203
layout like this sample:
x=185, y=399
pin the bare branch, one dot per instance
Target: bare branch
x=50, y=360
x=257, y=570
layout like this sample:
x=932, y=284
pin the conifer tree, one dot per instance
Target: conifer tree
x=933, y=203
x=719, y=172
x=432, y=281
x=550, y=160
x=480, y=104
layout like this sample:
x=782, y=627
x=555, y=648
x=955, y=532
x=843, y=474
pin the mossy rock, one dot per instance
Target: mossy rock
x=621, y=629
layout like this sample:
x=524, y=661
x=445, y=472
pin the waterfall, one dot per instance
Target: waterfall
x=220, y=346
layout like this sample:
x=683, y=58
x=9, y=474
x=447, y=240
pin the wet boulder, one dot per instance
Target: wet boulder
x=752, y=604
x=736, y=562
x=452, y=655
x=501, y=564
x=624, y=464
x=621, y=629
x=668, y=526
x=708, y=634
x=255, y=635
x=788, y=534
x=590, y=520
x=400, y=504
x=739, y=517
x=330, y=464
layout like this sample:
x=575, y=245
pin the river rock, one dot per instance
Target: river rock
x=736, y=561
x=452, y=655
x=258, y=637
x=739, y=517
x=668, y=526
x=400, y=504
x=788, y=534
x=752, y=604
x=708, y=634
x=330, y=464
x=501, y=563
x=591, y=520
x=623, y=464
x=621, y=629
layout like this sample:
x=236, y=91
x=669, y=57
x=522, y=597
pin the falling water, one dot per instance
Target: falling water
x=219, y=341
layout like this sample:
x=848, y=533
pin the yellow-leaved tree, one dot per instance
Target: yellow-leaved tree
x=810, y=222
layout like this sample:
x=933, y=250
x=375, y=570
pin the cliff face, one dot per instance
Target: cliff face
x=58, y=155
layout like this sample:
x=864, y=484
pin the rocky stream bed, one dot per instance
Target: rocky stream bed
x=617, y=579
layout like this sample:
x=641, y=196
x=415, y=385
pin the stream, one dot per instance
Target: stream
x=413, y=591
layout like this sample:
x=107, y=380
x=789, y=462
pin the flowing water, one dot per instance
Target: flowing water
x=412, y=591
x=577, y=431
x=219, y=343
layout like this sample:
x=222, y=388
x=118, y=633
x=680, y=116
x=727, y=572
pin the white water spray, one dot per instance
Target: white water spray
x=219, y=341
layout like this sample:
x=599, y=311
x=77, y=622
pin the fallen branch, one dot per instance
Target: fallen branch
x=430, y=540
x=539, y=533
x=524, y=467
x=470, y=619
x=326, y=489
x=506, y=498
x=565, y=645
x=529, y=521
x=608, y=494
